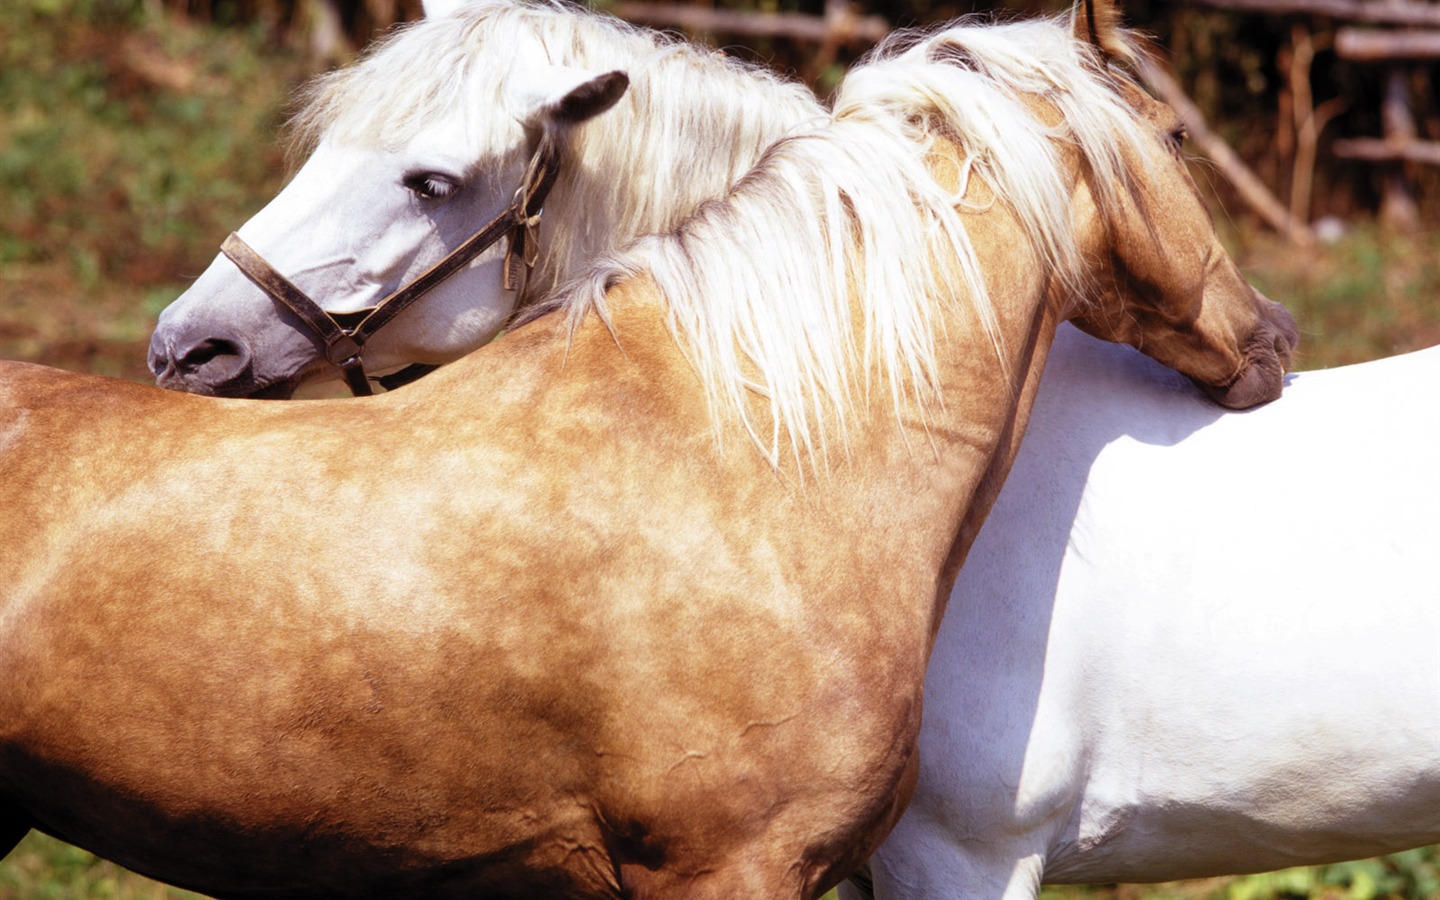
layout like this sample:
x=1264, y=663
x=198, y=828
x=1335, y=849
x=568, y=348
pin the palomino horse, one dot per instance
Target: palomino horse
x=432, y=134
x=1004, y=599
x=671, y=555
x=1186, y=644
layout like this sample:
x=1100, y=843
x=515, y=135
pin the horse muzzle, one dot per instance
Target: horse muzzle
x=216, y=364
x=1269, y=352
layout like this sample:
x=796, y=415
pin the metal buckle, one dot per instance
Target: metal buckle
x=344, y=351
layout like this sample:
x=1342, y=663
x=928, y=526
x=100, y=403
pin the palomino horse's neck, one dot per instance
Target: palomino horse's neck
x=944, y=457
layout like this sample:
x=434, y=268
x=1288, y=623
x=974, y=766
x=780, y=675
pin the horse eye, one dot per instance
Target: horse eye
x=1179, y=135
x=430, y=185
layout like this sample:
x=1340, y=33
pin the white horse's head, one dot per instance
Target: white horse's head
x=429, y=138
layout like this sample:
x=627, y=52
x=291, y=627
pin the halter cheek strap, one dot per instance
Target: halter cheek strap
x=344, y=342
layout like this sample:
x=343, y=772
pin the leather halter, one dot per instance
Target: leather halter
x=345, y=334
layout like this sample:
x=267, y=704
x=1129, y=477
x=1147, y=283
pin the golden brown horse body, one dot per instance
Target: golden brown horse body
x=600, y=653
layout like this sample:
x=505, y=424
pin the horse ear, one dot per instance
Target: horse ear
x=590, y=98
x=566, y=96
x=438, y=9
x=1097, y=23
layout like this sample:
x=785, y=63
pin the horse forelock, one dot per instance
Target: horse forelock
x=627, y=172
x=773, y=337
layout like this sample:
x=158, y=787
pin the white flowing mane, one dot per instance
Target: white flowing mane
x=625, y=173
x=758, y=286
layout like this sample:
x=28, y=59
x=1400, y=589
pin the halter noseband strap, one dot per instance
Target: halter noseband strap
x=345, y=343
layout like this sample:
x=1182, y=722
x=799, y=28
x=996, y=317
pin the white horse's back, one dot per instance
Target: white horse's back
x=1136, y=683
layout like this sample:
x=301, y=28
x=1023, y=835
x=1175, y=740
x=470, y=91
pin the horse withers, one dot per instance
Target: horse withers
x=686, y=664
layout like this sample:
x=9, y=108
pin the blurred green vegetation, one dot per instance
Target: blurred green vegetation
x=1370, y=294
x=132, y=140
x=130, y=144
x=124, y=136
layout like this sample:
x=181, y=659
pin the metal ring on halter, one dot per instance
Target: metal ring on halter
x=343, y=351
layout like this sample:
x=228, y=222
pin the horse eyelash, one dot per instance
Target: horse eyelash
x=430, y=185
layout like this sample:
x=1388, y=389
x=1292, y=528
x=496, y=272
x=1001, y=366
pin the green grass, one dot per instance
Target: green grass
x=130, y=146
x=126, y=142
x=1369, y=295
x=42, y=868
x=1412, y=875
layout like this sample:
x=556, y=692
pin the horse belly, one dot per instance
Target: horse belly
x=257, y=833
x=1266, y=735
x=1225, y=835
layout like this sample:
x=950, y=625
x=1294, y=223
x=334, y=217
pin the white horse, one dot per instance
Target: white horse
x=1133, y=683
x=479, y=91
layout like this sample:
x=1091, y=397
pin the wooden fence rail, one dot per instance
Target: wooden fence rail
x=1396, y=34
x=1371, y=12
x=1381, y=150
x=1366, y=45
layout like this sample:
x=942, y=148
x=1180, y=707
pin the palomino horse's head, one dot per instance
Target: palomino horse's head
x=1161, y=280
x=429, y=138
x=1031, y=128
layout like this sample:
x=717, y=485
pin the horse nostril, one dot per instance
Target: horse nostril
x=204, y=364
x=204, y=352
x=158, y=357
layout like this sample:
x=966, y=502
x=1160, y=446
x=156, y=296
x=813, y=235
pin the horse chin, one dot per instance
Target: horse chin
x=1259, y=383
x=1268, y=353
x=277, y=390
x=1267, y=360
x=244, y=389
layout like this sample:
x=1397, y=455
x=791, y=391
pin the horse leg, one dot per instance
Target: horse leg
x=753, y=877
x=913, y=868
x=857, y=886
x=14, y=825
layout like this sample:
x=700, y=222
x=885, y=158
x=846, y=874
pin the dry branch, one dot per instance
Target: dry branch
x=1309, y=120
x=1364, y=45
x=839, y=25
x=1389, y=12
x=1381, y=150
x=1249, y=186
x=1398, y=207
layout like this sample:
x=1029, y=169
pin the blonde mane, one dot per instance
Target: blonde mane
x=625, y=173
x=758, y=286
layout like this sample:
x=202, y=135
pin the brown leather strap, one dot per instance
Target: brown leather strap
x=518, y=221
x=341, y=349
x=281, y=288
x=412, y=372
x=524, y=248
x=345, y=343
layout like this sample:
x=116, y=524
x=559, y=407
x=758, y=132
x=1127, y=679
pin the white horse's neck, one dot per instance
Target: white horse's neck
x=688, y=129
